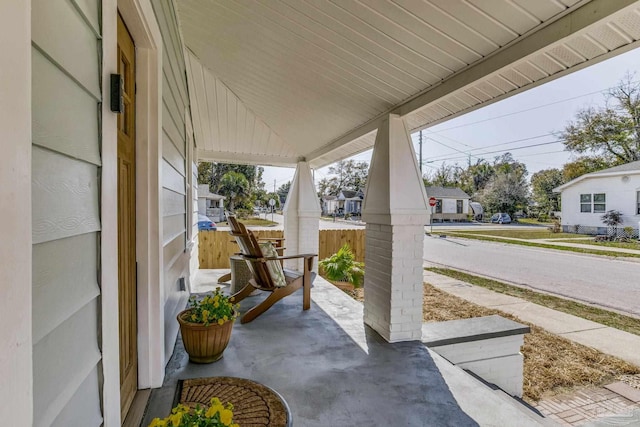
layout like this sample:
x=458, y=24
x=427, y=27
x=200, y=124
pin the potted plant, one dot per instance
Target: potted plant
x=206, y=326
x=216, y=415
x=343, y=270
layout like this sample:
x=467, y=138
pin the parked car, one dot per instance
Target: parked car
x=204, y=223
x=501, y=218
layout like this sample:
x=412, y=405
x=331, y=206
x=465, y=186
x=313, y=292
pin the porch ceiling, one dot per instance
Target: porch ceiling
x=274, y=81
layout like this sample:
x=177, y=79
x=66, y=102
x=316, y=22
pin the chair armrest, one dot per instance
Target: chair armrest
x=291, y=257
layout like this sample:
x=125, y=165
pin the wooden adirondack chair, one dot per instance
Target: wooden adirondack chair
x=264, y=268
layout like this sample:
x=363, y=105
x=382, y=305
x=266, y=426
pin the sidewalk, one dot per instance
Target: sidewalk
x=585, y=405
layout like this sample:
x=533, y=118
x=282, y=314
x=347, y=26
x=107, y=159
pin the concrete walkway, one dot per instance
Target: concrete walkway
x=615, y=342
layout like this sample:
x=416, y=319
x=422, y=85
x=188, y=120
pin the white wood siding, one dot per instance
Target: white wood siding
x=66, y=213
x=620, y=195
x=174, y=169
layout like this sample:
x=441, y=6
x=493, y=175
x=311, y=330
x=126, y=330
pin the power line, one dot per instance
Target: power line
x=494, y=145
x=524, y=111
x=502, y=151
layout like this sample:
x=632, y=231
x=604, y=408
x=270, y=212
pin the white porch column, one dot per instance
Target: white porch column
x=395, y=210
x=301, y=217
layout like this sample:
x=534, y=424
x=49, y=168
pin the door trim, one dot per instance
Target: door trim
x=141, y=22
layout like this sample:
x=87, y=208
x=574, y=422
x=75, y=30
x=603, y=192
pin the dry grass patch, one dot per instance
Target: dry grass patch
x=552, y=364
x=589, y=312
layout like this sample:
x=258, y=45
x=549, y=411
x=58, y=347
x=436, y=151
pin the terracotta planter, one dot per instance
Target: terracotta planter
x=204, y=344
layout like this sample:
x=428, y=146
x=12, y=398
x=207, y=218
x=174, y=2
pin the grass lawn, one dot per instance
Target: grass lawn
x=252, y=221
x=533, y=221
x=543, y=233
x=551, y=364
x=625, y=245
x=548, y=245
x=605, y=317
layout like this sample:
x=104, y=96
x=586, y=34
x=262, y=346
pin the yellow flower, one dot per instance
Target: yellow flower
x=216, y=304
x=194, y=317
x=220, y=322
x=176, y=419
x=225, y=318
x=205, y=315
x=157, y=422
x=234, y=425
x=215, y=407
x=226, y=417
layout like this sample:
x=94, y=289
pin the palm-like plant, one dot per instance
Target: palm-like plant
x=342, y=266
x=235, y=186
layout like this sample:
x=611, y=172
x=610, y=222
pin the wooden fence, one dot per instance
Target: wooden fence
x=332, y=240
x=215, y=247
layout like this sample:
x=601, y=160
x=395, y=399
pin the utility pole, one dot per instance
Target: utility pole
x=420, y=145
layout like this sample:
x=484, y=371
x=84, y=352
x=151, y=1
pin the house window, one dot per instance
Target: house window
x=585, y=203
x=459, y=206
x=596, y=203
x=599, y=202
x=439, y=206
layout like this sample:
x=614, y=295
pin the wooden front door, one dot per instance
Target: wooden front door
x=127, y=223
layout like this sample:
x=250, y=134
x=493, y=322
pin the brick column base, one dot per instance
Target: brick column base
x=393, y=291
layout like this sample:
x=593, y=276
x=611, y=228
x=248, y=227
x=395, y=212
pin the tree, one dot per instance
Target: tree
x=205, y=173
x=542, y=185
x=507, y=189
x=283, y=191
x=346, y=175
x=583, y=165
x=611, y=132
x=235, y=187
x=612, y=218
x=475, y=177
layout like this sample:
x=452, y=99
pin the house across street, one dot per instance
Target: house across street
x=586, y=198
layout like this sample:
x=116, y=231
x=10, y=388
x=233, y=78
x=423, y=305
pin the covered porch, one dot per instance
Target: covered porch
x=289, y=83
x=333, y=370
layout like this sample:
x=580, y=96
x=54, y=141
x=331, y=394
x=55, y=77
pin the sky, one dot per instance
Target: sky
x=523, y=124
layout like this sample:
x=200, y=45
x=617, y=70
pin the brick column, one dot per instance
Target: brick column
x=395, y=211
x=301, y=217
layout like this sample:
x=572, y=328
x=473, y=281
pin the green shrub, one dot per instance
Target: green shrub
x=343, y=267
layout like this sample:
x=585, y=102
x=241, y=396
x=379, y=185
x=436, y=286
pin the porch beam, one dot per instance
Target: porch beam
x=246, y=158
x=528, y=44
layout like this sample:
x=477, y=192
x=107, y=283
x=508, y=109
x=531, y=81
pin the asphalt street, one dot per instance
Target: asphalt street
x=603, y=281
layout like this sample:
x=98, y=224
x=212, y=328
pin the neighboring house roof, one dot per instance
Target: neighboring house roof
x=211, y=196
x=351, y=194
x=631, y=168
x=204, y=193
x=446, y=192
x=327, y=198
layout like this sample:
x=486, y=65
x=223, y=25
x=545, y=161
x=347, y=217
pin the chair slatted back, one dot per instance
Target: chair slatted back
x=252, y=253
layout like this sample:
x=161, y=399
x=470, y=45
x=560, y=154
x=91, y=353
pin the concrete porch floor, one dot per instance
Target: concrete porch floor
x=334, y=371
